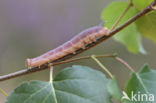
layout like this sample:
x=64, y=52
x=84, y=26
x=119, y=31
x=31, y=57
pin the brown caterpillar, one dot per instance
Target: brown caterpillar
x=79, y=41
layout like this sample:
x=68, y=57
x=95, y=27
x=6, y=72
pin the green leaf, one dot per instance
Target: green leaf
x=129, y=36
x=142, y=83
x=112, y=12
x=76, y=84
x=147, y=26
x=141, y=4
x=114, y=90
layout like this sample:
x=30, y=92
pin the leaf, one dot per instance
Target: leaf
x=76, y=84
x=147, y=26
x=112, y=12
x=129, y=36
x=114, y=90
x=141, y=83
x=141, y=4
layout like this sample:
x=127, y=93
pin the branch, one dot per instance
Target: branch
x=102, y=66
x=45, y=66
x=125, y=63
x=3, y=92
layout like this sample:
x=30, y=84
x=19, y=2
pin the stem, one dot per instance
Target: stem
x=27, y=71
x=102, y=66
x=125, y=63
x=122, y=15
x=51, y=74
x=82, y=58
x=3, y=92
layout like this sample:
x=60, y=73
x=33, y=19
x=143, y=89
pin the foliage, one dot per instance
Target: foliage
x=143, y=82
x=83, y=84
x=77, y=84
x=131, y=35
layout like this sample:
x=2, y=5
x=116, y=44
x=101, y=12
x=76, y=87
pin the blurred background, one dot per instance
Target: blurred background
x=29, y=28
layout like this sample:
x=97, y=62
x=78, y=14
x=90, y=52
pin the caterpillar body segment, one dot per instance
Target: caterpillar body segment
x=79, y=41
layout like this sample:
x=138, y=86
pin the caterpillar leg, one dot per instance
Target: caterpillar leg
x=29, y=67
x=39, y=66
x=74, y=52
x=87, y=41
x=92, y=37
x=153, y=8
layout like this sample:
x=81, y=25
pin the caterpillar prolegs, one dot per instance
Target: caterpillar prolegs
x=79, y=41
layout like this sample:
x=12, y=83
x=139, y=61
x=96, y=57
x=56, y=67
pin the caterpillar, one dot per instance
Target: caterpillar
x=79, y=41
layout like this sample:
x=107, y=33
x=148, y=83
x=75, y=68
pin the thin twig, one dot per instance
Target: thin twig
x=85, y=57
x=3, y=92
x=122, y=15
x=27, y=71
x=102, y=66
x=125, y=63
x=113, y=32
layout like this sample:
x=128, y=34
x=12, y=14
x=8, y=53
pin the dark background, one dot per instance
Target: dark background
x=29, y=28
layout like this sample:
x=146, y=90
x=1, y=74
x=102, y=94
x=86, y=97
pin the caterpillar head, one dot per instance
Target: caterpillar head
x=28, y=63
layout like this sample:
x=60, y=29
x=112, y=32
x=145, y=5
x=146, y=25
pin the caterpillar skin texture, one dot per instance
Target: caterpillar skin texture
x=79, y=41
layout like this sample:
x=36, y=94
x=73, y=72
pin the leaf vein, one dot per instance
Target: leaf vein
x=75, y=95
x=35, y=93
